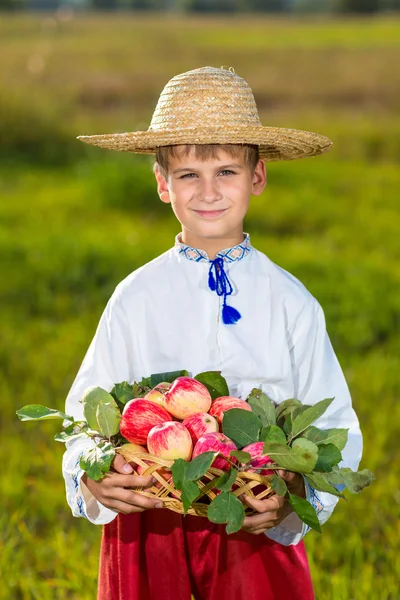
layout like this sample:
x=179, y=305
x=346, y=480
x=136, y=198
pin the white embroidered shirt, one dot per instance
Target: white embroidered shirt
x=164, y=317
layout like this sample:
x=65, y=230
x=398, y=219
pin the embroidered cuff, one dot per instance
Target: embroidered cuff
x=313, y=497
x=76, y=477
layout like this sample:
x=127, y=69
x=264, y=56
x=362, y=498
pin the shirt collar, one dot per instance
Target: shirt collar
x=227, y=254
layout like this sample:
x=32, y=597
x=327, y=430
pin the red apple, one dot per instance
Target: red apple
x=259, y=459
x=215, y=442
x=187, y=397
x=224, y=403
x=138, y=417
x=200, y=424
x=157, y=393
x=170, y=440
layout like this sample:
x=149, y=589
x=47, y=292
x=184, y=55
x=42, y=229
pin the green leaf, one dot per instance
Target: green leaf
x=97, y=461
x=299, y=409
x=190, y=491
x=301, y=458
x=262, y=406
x=319, y=482
x=37, y=412
x=355, y=481
x=71, y=432
x=225, y=481
x=278, y=485
x=241, y=426
x=178, y=469
x=307, y=417
x=286, y=407
x=327, y=436
x=334, y=477
x=287, y=424
x=169, y=377
x=328, y=457
x=227, y=508
x=144, y=382
x=91, y=399
x=243, y=457
x=139, y=391
x=108, y=417
x=305, y=511
x=272, y=433
x=198, y=466
x=214, y=382
x=123, y=392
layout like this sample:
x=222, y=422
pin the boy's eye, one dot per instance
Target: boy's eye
x=191, y=175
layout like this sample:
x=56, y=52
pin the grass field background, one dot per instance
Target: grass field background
x=75, y=220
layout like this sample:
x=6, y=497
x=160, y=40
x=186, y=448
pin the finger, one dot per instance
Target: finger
x=124, y=507
x=258, y=531
x=254, y=522
x=144, y=501
x=129, y=481
x=286, y=475
x=141, y=480
x=263, y=506
x=132, y=498
x=257, y=522
x=120, y=464
x=294, y=481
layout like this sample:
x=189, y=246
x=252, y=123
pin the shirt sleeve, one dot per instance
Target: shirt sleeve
x=106, y=362
x=318, y=375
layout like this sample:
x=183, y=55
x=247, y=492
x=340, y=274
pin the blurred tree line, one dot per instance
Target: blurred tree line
x=214, y=6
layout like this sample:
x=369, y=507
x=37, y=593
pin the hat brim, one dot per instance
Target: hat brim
x=275, y=143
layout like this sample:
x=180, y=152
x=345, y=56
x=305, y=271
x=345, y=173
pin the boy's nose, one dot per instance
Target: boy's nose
x=209, y=191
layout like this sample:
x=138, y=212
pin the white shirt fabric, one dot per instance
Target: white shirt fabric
x=164, y=317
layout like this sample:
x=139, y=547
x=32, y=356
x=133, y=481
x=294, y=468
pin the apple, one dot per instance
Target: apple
x=138, y=417
x=157, y=393
x=170, y=440
x=187, y=397
x=259, y=459
x=224, y=403
x=199, y=424
x=215, y=442
x=127, y=449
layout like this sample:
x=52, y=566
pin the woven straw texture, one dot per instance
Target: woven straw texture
x=212, y=106
x=166, y=491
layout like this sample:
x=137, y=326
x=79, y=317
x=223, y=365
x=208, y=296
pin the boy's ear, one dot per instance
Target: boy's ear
x=259, y=178
x=162, y=185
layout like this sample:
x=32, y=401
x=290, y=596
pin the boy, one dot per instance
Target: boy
x=257, y=324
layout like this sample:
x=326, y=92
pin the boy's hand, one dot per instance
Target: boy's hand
x=274, y=509
x=112, y=492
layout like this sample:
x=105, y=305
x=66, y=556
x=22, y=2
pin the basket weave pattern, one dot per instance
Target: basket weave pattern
x=170, y=496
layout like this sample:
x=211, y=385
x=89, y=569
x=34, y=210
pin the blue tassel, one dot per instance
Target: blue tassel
x=221, y=284
x=211, y=281
x=230, y=315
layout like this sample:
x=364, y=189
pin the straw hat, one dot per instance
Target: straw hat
x=212, y=106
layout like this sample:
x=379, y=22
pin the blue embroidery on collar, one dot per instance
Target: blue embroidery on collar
x=228, y=254
x=217, y=278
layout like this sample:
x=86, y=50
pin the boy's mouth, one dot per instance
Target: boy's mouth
x=210, y=214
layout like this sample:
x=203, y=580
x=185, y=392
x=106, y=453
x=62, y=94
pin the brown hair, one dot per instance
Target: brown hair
x=204, y=152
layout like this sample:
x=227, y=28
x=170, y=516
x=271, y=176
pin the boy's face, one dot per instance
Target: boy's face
x=210, y=198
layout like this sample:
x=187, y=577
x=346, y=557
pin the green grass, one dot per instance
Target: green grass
x=75, y=220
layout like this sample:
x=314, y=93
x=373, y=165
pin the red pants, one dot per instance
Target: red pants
x=160, y=555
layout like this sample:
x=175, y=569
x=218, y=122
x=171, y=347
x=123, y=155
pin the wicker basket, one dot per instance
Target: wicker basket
x=245, y=481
